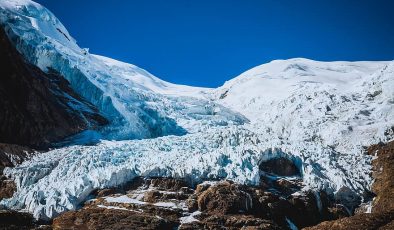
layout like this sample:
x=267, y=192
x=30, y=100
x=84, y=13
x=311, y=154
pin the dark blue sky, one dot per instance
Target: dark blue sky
x=205, y=42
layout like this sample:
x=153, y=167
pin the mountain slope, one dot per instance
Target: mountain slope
x=137, y=104
x=38, y=108
x=318, y=115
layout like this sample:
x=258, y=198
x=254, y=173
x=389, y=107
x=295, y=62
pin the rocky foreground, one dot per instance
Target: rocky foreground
x=382, y=212
x=281, y=202
x=169, y=203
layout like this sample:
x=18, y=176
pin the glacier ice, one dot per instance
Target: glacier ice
x=321, y=115
x=138, y=104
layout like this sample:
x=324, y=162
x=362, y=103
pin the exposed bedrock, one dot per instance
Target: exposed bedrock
x=165, y=203
x=38, y=108
x=7, y=187
x=284, y=172
x=303, y=208
x=12, y=220
x=130, y=119
x=10, y=155
x=380, y=214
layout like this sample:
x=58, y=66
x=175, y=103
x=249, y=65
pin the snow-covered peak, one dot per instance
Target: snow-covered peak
x=41, y=19
x=279, y=79
x=303, y=66
x=319, y=114
x=31, y=16
x=138, y=104
x=148, y=81
x=301, y=70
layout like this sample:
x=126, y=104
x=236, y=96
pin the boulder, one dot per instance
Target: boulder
x=7, y=188
x=225, y=198
x=169, y=184
x=304, y=209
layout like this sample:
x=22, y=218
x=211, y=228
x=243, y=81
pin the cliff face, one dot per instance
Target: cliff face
x=38, y=108
x=382, y=211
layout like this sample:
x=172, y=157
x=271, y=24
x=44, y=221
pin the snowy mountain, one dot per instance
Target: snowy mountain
x=37, y=108
x=320, y=115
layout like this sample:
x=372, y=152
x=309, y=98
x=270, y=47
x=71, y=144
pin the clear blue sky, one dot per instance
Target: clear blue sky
x=205, y=42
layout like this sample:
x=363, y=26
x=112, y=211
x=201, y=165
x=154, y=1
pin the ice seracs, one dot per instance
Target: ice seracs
x=321, y=114
x=138, y=104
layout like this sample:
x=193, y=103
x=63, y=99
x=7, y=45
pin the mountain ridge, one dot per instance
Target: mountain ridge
x=318, y=115
x=38, y=108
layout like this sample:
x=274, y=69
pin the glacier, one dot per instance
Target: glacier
x=321, y=115
x=138, y=104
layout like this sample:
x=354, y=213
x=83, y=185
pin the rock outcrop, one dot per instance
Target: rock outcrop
x=12, y=220
x=364, y=221
x=13, y=154
x=382, y=210
x=9, y=156
x=165, y=203
x=7, y=187
x=102, y=218
x=38, y=108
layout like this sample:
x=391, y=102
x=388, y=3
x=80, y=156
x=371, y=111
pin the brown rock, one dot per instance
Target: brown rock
x=365, y=221
x=266, y=197
x=7, y=188
x=304, y=210
x=230, y=222
x=202, y=187
x=100, y=218
x=225, y=198
x=382, y=216
x=279, y=208
x=194, y=226
x=155, y=196
x=192, y=203
x=168, y=184
x=34, y=105
x=16, y=220
x=106, y=192
x=152, y=196
x=383, y=172
x=16, y=152
x=349, y=198
x=337, y=212
x=287, y=187
x=186, y=190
